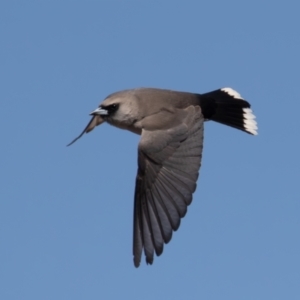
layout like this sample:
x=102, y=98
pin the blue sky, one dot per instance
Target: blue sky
x=66, y=213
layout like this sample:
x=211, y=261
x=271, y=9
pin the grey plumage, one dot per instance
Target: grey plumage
x=169, y=152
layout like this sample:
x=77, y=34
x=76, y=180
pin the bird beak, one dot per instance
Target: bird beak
x=99, y=111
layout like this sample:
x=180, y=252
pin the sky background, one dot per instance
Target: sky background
x=66, y=212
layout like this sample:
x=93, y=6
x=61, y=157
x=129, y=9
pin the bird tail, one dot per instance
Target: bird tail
x=226, y=106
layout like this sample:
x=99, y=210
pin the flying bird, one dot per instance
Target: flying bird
x=169, y=152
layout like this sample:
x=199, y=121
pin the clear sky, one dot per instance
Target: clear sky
x=66, y=212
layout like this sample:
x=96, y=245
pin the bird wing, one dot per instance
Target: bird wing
x=168, y=166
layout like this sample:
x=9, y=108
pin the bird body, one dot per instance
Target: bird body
x=169, y=152
x=143, y=105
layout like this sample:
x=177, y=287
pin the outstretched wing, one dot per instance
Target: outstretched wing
x=168, y=167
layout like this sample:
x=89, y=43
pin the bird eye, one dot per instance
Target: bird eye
x=112, y=108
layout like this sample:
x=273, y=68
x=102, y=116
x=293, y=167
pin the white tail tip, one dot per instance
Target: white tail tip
x=231, y=92
x=250, y=124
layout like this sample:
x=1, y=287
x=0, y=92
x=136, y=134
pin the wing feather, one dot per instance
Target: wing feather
x=168, y=168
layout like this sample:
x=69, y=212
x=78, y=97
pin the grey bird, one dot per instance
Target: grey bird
x=169, y=152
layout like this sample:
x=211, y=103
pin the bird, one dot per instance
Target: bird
x=171, y=125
